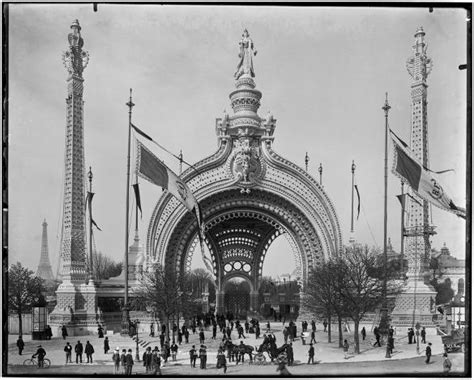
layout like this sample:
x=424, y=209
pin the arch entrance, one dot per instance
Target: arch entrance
x=248, y=195
x=237, y=297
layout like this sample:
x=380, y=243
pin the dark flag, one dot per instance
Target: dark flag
x=89, y=203
x=411, y=171
x=155, y=171
x=358, y=199
x=401, y=199
x=143, y=134
x=140, y=132
x=137, y=197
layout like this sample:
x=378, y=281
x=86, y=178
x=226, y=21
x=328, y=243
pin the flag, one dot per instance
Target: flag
x=155, y=171
x=401, y=199
x=414, y=199
x=89, y=203
x=358, y=198
x=205, y=258
x=411, y=171
x=180, y=157
x=137, y=197
x=140, y=132
x=405, y=145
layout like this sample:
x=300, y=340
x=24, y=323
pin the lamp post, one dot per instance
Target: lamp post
x=384, y=310
x=137, y=353
x=417, y=326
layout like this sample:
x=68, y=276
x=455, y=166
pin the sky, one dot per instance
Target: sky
x=323, y=72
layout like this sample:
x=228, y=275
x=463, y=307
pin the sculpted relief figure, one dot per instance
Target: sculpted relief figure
x=246, y=54
x=245, y=166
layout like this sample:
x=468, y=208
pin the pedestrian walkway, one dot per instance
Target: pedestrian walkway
x=324, y=352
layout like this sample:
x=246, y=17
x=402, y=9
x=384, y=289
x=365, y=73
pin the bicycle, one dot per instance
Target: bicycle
x=34, y=362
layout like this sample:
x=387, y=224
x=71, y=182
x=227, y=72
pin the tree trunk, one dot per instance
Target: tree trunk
x=177, y=322
x=20, y=323
x=356, y=336
x=167, y=328
x=329, y=328
x=172, y=328
x=339, y=324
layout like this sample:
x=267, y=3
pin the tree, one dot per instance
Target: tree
x=164, y=292
x=199, y=280
x=322, y=294
x=444, y=291
x=105, y=267
x=24, y=290
x=363, y=288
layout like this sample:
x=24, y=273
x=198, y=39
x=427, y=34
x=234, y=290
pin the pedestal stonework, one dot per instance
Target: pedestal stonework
x=76, y=306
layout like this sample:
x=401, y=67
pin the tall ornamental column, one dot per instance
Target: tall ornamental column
x=415, y=303
x=76, y=301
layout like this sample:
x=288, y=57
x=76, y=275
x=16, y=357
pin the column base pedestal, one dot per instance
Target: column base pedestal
x=414, y=305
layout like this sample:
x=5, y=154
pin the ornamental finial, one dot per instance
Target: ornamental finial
x=419, y=65
x=386, y=107
x=247, y=51
x=75, y=59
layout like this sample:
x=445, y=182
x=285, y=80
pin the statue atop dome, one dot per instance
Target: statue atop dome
x=247, y=51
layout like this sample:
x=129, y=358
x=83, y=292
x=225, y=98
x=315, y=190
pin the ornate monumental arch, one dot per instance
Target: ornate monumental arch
x=44, y=268
x=76, y=301
x=414, y=304
x=249, y=195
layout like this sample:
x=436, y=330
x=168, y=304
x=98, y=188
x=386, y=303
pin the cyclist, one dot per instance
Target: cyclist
x=41, y=353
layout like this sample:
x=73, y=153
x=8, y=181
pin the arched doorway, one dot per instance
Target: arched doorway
x=237, y=298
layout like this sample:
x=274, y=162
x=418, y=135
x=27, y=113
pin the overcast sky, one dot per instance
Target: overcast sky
x=323, y=72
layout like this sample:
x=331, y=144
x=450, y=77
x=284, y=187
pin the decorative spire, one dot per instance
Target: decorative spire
x=306, y=160
x=419, y=65
x=75, y=59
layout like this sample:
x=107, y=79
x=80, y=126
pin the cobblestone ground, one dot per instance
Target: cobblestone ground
x=330, y=357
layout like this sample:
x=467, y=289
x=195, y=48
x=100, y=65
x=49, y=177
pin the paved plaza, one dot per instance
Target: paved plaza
x=329, y=356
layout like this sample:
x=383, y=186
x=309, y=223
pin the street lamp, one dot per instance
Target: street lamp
x=417, y=337
x=137, y=354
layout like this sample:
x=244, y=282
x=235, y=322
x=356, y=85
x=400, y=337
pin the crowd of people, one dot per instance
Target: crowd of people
x=154, y=359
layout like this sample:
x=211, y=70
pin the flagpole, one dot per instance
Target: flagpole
x=136, y=208
x=321, y=174
x=91, y=270
x=125, y=314
x=180, y=162
x=402, y=238
x=351, y=238
x=384, y=310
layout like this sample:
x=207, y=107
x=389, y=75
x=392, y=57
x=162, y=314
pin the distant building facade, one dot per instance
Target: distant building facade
x=450, y=267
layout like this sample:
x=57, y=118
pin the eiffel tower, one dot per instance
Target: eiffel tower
x=44, y=268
